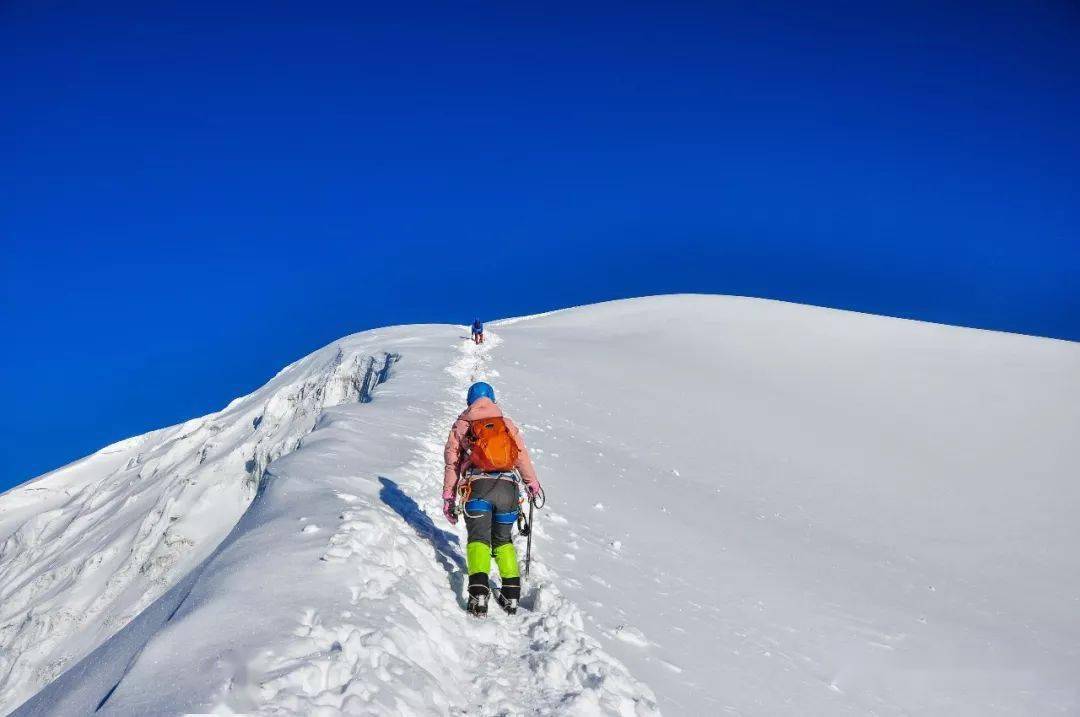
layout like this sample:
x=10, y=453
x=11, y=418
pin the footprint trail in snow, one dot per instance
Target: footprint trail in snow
x=412, y=571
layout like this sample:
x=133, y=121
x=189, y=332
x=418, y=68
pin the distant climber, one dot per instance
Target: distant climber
x=477, y=332
x=485, y=458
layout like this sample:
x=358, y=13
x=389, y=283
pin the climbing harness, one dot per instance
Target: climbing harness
x=463, y=489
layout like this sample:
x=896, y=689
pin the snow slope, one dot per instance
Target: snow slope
x=809, y=511
x=756, y=508
x=85, y=548
x=336, y=592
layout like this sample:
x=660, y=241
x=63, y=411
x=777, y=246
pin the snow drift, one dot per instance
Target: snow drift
x=756, y=508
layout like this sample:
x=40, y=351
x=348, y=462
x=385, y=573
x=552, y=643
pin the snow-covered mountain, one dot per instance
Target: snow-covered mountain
x=755, y=508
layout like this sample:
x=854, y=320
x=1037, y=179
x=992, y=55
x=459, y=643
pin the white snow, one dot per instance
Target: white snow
x=86, y=548
x=755, y=508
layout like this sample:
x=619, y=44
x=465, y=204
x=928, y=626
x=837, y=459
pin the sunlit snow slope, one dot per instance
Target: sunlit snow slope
x=755, y=508
x=87, y=547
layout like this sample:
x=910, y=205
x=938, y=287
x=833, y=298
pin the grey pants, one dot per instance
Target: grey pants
x=492, y=523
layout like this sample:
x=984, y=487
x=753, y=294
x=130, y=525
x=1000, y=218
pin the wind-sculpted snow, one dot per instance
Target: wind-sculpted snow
x=85, y=549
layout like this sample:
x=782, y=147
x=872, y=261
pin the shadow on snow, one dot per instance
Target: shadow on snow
x=446, y=544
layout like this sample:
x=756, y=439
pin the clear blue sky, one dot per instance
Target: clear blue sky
x=194, y=194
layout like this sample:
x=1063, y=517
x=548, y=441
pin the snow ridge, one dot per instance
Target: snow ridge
x=87, y=548
x=426, y=655
x=885, y=510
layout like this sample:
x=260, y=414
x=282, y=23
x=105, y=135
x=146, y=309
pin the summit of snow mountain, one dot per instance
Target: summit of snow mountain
x=804, y=510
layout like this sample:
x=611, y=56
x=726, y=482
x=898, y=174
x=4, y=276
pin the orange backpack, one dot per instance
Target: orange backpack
x=491, y=447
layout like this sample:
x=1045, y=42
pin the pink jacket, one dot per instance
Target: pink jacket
x=453, y=454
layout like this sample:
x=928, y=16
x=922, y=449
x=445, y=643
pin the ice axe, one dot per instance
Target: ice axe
x=528, y=540
x=526, y=529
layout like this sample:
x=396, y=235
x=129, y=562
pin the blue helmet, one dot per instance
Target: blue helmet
x=480, y=390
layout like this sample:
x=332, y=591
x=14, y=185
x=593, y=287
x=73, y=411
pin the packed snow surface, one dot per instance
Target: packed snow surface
x=755, y=508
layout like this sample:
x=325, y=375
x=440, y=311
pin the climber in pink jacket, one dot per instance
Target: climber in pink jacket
x=457, y=462
x=489, y=455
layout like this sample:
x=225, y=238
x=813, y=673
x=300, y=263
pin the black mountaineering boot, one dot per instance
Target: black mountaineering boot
x=478, y=594
x=508, y=595
x=508, y=604
x=477, y=606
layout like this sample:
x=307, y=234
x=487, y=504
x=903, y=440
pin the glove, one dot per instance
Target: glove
x=534, y=490
x=448, y=507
